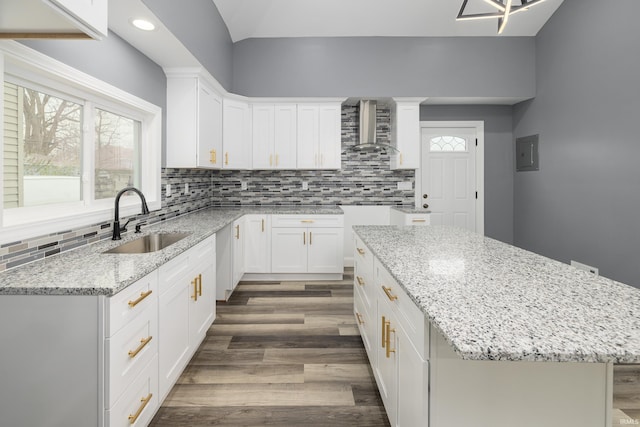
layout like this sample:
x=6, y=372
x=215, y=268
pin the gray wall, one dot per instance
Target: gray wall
x=584, y=203
x=385, y=66
x=112, y=60
x=498, y=160
x=200, y=28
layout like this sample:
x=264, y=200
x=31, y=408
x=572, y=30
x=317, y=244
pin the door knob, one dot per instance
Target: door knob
x=425, y=206
x=424, y=196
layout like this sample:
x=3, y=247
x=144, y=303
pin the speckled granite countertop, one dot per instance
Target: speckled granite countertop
x=493, y=301
x=89, y=271
x=411, y=210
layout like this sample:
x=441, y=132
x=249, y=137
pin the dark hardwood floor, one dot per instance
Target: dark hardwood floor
x=279, y=354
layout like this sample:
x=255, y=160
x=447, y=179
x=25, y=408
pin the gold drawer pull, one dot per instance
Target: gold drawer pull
x=418, y=220
x=384, y=326
x=360, y=280
x=263, y=225
x=137, y=301
x=226, y=158
x=238, y=231
x=307, y=221
x=389, y=330
x=310, y=238
x=359, y=317
x=389, y=294
x=143, y=343
x=145, y=401
x=194, y=282
x=199, y=285
x=360, y=251
x=304, y=238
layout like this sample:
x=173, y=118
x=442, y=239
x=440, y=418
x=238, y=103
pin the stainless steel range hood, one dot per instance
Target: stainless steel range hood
x=368, y=129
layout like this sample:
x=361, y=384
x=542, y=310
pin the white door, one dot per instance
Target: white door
x=448, y=170
x=257, y=244
x=322, y=255
x=289, y=250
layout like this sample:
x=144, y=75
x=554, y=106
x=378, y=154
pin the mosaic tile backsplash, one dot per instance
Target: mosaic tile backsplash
x=365, y=179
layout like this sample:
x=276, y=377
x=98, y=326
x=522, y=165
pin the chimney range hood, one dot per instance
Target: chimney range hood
x=368, y=141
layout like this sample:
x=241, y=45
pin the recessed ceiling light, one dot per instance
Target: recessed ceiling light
x=143, y=24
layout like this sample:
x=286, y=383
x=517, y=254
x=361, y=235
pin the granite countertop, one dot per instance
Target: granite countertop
x=89, y=271
x=411, y=210
x=493, y=301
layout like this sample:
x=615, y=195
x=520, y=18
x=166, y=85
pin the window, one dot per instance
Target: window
x=70, y=143
x=447, y=143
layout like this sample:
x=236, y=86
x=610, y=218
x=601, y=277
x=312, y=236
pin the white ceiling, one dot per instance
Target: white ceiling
x=361, y=18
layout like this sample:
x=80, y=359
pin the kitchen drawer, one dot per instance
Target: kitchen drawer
x=308, y=221
x=140, y=398
x=129, y=351
x=180, y=266
x=417, y=219
x=364, y=255
x=363, y=283
x=411, y=319
x=365, y=325
x=130, y=302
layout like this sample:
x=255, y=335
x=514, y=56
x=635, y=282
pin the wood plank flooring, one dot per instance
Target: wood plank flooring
x=626, y=395
x=279, y=354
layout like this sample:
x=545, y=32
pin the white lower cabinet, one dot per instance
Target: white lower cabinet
x=395, y=336
x=238, y=250
x=307, y=244
x=257, y=244
x=186, y=308
x=403, y=218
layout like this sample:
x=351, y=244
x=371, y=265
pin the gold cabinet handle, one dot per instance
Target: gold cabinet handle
x=384, y=325
x=310, y=238
x=263, y=225
x=360, y=280
x=360, y=251
x=389, y=331
x=194, y=282
x=359, y=317
x=270, y=159
x=145, y=401
x=304, y=238
x=306, y=221
x=143, y=343
x=138, y=300
x=418, y=220
x=199, y=285
x=400, y=159
x=212, y=156
x=389, y=294
x=276, y=160
x=238, y=231
x=226, y=158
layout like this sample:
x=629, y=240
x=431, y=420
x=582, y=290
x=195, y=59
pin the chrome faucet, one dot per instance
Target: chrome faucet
x=116, y=221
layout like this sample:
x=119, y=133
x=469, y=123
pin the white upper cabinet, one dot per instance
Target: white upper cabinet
x=194, y=123
x=274, y=136
x=236, y=138
x=54, y=18
x=319, y=136
x=405, y=134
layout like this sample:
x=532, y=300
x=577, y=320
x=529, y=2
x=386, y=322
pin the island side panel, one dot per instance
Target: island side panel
x=49, y=360
x=508, y=393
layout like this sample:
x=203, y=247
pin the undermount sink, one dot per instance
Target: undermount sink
x=149, y=243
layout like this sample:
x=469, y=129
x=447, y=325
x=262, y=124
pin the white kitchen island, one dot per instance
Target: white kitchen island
x=463, y=330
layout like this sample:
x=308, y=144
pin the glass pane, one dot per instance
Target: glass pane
x=117, y=154
x=448, y=143
x=42, y=148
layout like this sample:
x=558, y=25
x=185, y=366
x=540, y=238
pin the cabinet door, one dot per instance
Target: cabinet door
x=238, y=251
x=329, y=143
x=263, y=137
x=413, y=380
x=407, y=137
x=325, y=253
x=257, y=244
x=173, y=328
x=308, y=136
x=202, y=303
x=236, y=139
x=285, y=136
x=386, y=359
x=224, y=262
x=209, y=128
x=289, y=250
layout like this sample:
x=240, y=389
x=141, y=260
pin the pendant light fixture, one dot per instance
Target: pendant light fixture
x=504, y=9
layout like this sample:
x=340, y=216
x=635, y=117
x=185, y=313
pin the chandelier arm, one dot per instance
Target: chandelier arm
x=479, y=16
x=460, y=14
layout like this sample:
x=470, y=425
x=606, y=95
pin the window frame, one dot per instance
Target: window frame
x=37, y=70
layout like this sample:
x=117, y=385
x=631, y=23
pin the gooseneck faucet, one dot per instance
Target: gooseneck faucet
x=116, y=220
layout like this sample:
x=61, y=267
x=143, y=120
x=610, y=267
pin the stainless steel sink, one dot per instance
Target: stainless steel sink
x=148, y=243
